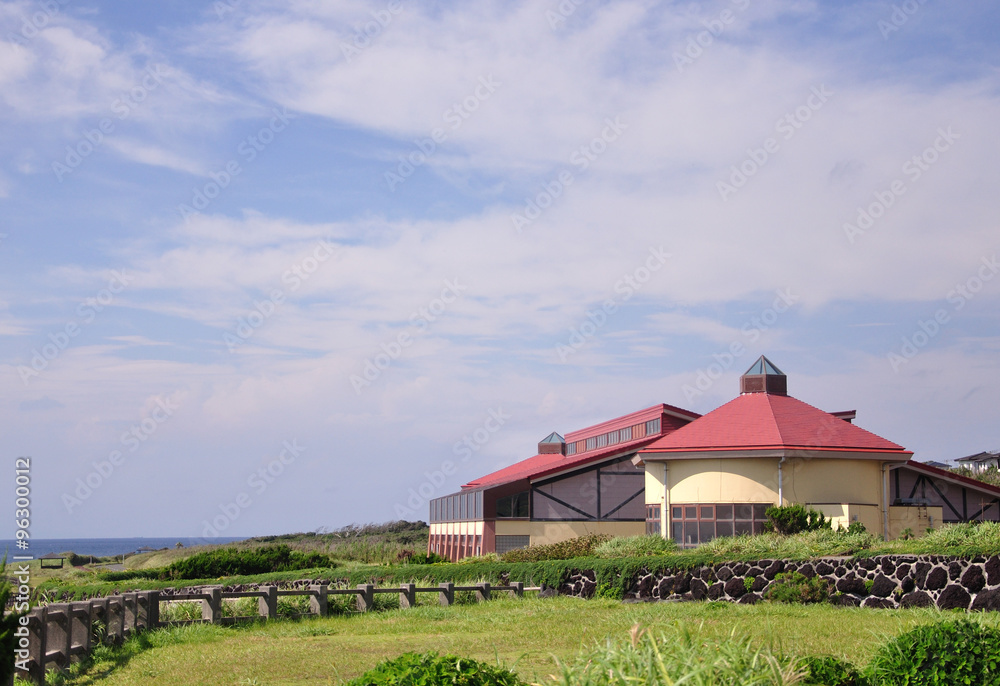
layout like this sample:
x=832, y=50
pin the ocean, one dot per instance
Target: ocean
x=102, y=547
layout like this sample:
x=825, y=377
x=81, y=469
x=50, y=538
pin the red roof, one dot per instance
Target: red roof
x=543, y=465
x=756, y=421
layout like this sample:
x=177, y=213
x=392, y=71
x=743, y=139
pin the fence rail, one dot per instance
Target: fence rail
x=56, y=634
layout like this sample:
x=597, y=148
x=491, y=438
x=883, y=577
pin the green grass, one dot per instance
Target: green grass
x=525, y=634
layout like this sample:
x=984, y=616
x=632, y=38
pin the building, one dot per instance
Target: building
x=693, y=478
x=585, y=483
x=980, y=462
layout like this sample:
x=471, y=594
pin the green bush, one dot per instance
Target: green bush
x=795, y=587
x=430, y=669
x=582, y=546
x=635, y=546
x=953, y=652
x=234, y=561
x=793, y=519
x=827, y=670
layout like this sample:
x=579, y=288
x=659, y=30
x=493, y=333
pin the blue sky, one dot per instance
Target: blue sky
x=264, y=265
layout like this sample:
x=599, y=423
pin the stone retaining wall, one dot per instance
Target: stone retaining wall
x=889, y=581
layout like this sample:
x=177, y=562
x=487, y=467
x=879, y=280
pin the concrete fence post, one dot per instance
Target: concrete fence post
x=267, y=606
x=366, y=597
x=79, y=627
x=518, y=588
x=482, y=592
x=130, y=601
x=37, y=644
x=211, y=609
x=152, y=609
x=447, y=593
x=59, y=636
x=319, y=600
x=407, y=596
x=115, y=618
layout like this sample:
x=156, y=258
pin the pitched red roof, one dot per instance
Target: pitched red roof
x=670, y=417
x=755, y=421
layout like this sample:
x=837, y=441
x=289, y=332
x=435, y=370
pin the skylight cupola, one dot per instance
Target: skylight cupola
x=764, y=377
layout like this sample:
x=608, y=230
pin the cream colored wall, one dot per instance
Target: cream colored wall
x=728, y=480
x=513, y=527
x=817, y=480
x=554, y=532
x=914, y=517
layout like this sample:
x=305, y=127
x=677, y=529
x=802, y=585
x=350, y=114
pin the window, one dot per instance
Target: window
x=653, y=519
x=700, y=523
x=513, y=506
x=571, y=448
x=652, y=427
x=507, y=543
x=625, y=434
x=591, y=443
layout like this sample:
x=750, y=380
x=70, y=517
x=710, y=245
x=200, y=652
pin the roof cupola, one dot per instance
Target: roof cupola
x=764, y=377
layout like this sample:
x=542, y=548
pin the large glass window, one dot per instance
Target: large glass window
x=692, y=524
x=513, y=506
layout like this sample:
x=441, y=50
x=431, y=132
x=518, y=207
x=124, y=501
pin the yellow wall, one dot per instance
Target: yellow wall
x=914, y=517
x=554, y=532
x=832, y=481
x=726, y=480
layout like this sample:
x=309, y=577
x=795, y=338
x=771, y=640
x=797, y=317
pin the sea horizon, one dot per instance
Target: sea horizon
x=107, y=547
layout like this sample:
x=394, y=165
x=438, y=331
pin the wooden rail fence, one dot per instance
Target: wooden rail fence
x=58, y=633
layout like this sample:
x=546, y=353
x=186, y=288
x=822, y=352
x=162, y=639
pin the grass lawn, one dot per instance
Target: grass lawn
x=522, y=633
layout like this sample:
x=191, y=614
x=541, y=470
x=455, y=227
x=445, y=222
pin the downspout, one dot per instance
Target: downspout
x=885, y=501
x=665, y=518
x=781, y=489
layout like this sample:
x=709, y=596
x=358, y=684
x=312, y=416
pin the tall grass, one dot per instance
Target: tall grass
x=680, y=657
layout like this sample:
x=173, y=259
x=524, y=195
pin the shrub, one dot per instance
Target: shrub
x=409, y=557
x=830, y=671
x=426, y=669
x=795, y=587
x=793, y=519
x=234, y=561
x=635, y=546
x=954, y=652
x=582, y=546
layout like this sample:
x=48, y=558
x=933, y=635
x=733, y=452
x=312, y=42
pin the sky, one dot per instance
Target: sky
x=269, y=267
